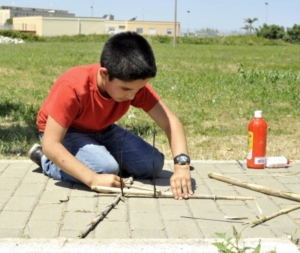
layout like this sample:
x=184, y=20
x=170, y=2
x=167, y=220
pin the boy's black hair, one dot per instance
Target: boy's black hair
x=128, y=57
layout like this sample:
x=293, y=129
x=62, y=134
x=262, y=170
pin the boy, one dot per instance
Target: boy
x=80, y=140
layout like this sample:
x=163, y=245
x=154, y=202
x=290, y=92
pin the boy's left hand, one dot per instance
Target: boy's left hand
x=180, y=181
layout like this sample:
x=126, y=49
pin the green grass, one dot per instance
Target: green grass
x=213, y=88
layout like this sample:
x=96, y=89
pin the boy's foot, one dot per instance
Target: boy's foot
x=35, y=154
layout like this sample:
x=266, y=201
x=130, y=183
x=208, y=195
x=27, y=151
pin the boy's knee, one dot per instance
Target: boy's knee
x=98, y=159
x=106, y=166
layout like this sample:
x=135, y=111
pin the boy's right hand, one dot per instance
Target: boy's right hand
x=109, y=180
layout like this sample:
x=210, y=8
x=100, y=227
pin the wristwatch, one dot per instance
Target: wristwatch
x=182, y=159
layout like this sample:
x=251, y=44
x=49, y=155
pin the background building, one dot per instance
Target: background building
x=7, y=12
x=57, y=26
x=49, y=22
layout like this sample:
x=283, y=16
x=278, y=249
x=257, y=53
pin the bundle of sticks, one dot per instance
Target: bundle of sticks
x=131, y=190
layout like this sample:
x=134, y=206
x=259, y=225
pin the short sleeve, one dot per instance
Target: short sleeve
x=146, y=98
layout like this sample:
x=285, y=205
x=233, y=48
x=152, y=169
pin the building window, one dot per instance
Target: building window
x=111, y=30
x=139, y=30
x=169, y=31
x=122, y=27
x=152, y=31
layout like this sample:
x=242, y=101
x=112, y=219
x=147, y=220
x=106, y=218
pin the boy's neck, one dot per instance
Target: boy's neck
x=101, y=86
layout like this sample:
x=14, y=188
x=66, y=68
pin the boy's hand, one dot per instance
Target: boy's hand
x=181, y=184
x=109, y=180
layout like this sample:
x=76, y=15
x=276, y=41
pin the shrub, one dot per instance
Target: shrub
x=292, y=34
x=19, y=35
x=270, y=31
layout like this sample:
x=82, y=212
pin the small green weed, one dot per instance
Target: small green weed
x=294, y=237
x=232, y=244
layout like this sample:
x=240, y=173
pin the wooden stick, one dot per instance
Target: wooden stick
x=266, y=218
x=100, y=217
x=140, y=187
x=255, y=187
x=128, y=182
x=134, y=192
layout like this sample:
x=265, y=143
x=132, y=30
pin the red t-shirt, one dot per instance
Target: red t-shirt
x=75, y=101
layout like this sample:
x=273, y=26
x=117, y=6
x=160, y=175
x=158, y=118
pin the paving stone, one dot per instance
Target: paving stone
x=119, y=213
x=48, y=212
x=289, y=180
x=270, y=182
x=145, y=221
x=230, y=169
x=10, y=233
x=169, y=213
x=3, y=167
x=54, y=196
x=293, y=187
x=82, y=204
x=13, y=219
x=143, y=205
x=6, y=195
x=72, y=233
x=16, y=171
x=54, y=185
x=151, y=234
x=112, y=230
x=41, y=229
x=20, y=203
x=9, y=183
x=29, y=190
x=170, y=201
x=30, y=206
x=77, y=220
x=34, y=178
x=237, y=211
x=186, y=229
x=82, y=191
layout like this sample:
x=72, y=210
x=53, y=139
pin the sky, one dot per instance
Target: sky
x=223, y=15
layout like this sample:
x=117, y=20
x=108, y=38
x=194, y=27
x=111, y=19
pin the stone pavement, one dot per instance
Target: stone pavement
x=36, y=210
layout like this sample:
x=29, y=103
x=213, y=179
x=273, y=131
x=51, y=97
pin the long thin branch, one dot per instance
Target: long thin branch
x=100, y=217
x=134, y=192
x=255, y=187
x=266, y=218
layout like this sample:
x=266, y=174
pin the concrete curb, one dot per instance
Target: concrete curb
x=137, y=245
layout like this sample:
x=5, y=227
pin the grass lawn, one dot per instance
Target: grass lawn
x=214, y=89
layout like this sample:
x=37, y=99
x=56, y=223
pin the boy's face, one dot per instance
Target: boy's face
x=119, y=90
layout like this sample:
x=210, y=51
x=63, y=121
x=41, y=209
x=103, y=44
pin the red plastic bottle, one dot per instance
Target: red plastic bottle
x=257, y=142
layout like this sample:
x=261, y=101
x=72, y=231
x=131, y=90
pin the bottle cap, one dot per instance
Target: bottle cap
x=258, y=114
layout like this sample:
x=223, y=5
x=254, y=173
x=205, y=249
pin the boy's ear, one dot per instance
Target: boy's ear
x=103, y=72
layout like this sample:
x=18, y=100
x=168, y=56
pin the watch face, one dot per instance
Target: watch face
x=182, y=159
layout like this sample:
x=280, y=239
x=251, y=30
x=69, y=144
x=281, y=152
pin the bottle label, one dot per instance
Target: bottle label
x=250, y=145
x=259, y=160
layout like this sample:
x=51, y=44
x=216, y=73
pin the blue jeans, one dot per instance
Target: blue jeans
x=112, y=151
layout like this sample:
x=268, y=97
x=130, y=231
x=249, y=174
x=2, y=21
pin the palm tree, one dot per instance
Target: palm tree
x=249, y=22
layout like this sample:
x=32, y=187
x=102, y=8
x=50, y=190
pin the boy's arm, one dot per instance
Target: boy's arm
x=58, y=154
x=181, y=180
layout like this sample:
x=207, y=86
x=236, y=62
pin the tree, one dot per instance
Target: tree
x=270, y=31
x=249, y=22
x=9, y=21
x=293, y=34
